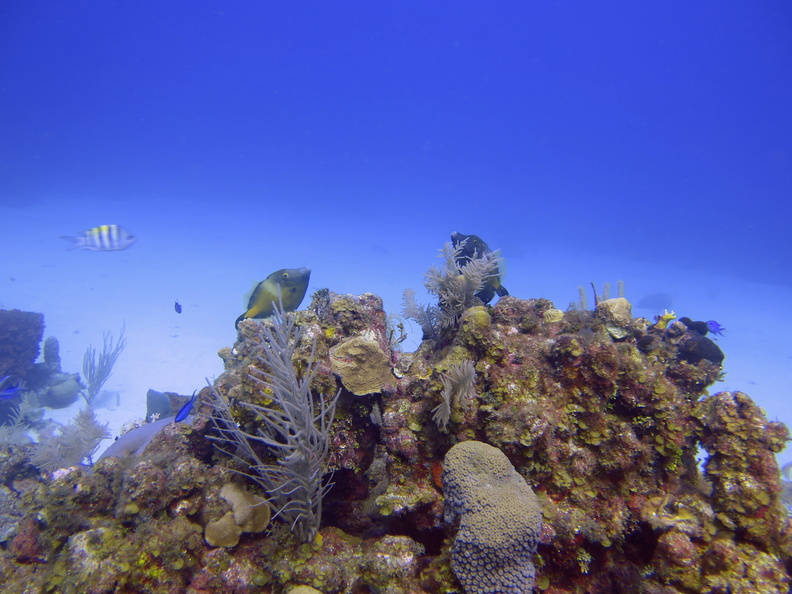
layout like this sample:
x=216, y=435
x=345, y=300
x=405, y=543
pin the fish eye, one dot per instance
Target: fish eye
x=285, y=275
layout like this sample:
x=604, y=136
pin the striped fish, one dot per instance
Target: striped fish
x=104, y=238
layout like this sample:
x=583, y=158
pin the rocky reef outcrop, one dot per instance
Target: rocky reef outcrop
x=20, y=335
x=601, y=414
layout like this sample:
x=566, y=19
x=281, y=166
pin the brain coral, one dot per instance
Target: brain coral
x=499, y=524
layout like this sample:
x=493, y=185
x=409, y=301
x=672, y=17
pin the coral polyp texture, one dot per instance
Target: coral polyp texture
x=600, y=414
x=499, y=517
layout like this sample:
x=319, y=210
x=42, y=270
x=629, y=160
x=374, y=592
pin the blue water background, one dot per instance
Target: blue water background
x=599, y=141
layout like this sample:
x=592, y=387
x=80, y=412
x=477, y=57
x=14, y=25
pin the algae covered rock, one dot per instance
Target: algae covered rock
x=63, y=391
x=616, y=315
x=607, y=427
x=20, y=335
x=499, y=517
x=223, y=532
x=51, y=354
x=363, y=366
x=304, y=590
x=746, y=482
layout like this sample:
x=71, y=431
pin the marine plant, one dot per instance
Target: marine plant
x=605, y=430
x=582, y=302
x=455, y=284
x=294, y=426
x=69, y=444
x=458, y=384
x=97, y=367
x=427, y=316
x=15, y=431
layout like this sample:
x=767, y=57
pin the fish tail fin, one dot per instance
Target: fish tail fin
x=239, y=319
x=501, y=291
x=74, y=242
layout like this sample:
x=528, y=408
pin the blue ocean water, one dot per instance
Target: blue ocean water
x=650, y=143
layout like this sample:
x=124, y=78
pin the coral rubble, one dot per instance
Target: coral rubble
x=601, y=414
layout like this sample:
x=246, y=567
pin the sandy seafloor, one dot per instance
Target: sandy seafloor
x=208, y=258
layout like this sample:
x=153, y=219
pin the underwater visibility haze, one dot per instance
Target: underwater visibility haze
x=514, y=283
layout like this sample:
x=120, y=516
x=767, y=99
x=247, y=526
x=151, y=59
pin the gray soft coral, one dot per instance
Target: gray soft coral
x=499, y=520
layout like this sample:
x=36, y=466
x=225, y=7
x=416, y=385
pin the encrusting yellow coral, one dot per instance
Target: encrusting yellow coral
x=662, y=320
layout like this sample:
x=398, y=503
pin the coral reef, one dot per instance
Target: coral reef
x=500, y=520
x=292, y=424
x=46, y=384
x=458, y=386
x=248, y=513
x=601, y=414
x=362, y=365
x=61, y=390
x=20, y=335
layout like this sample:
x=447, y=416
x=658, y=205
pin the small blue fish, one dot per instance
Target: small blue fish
x=177, y=306
x=104, y=238
x=185, y=410
x=9, y=391
x=715, y=328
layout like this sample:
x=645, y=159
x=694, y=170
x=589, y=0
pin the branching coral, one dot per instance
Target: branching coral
x=295, y=427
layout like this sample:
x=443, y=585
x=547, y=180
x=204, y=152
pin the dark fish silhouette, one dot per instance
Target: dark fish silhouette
x=475, y=247
x=177, y=306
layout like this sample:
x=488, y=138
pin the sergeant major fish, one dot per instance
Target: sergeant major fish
x=475, y=247
x=287, y=285
x=104, y=238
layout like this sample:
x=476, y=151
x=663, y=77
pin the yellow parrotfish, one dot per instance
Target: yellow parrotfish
x=104, y=238
x=287, y=285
